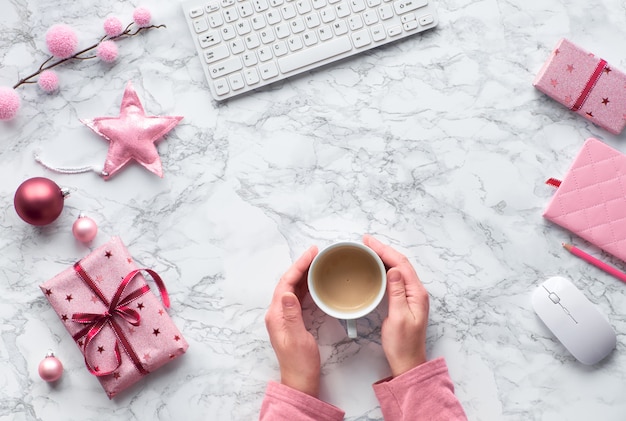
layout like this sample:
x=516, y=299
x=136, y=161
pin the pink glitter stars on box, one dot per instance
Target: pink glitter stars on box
x=585, y=84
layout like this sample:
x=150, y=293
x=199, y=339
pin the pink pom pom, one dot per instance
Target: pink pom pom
x=61, y=40
x=48, y=81
x=107, y=51
x=113, y=26
x=9, y=103
x=142, y=17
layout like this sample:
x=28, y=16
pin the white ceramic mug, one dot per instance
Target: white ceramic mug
x=347, y=280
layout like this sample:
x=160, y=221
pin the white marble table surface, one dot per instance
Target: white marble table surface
x=438, y=145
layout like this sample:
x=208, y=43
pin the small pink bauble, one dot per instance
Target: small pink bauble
x=142, y=17
x=84, y=229
x=61, y=40
x=48, y=81
x=113, y=26
x=50, y=368
x=9, y=103
x=107, y=51
x=39, y=201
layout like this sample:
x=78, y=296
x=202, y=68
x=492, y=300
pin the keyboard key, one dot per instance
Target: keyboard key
x=209, y=39
x=325, y=33
x=245, y=9
x=221, y=86
x=303, y=6
x=342, y=9
x=215, y=20
x=200, y=25
x=228, y=32
x=294, y=43
x=405, y=6
x=258, y=22
x=312, y=20
x=217, y=53
x=314, y=54
x=370, y=17
x=340, y=27
x=265, y=53
x=378, y=33
x=195, y=12
x=260, y=5
x=309, y=38
x=361, y=38
x=394, y=31
x=318, y=4
x=212, y=7
x=268, y=70
x=355, y=22
x=225, y=67
x=357, y=5
x=385, y=11
x=236, y=81
x=251, y=76
x=230, y=14
x=252, y=41
x=426, y=20
x=280, y=49
x=249, y=59
x=410, y=25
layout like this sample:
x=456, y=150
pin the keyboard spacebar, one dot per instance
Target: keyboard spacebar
x=314, y=54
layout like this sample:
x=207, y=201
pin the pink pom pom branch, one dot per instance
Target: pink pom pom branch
x=80, y=55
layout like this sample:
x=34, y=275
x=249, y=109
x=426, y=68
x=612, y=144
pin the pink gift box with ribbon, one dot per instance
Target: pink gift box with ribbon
x=585, y=84
x=120, y=326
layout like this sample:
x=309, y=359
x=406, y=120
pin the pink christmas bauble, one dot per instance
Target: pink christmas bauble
x=9, y=103
x=50, y=368
x=84, y=229
x=142, y=17
x=38, y=201
x=107, y=51
x=113, y=26
x=61, y=40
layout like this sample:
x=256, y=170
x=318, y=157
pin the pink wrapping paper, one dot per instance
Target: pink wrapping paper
x=585, y=84
x=143, y=348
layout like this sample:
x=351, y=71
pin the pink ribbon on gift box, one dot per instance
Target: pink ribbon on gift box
x=117, y=308
x=593, y=79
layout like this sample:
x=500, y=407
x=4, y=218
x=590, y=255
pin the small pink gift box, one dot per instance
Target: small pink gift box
x=586, y=85
x=120, y=326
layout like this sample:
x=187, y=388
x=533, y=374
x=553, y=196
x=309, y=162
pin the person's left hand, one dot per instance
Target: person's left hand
x=295, y=348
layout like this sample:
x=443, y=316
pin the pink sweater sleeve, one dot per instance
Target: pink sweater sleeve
x=423, y=393
x=284, y=403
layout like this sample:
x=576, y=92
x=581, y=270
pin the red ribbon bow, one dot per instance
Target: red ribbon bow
x=117, y=309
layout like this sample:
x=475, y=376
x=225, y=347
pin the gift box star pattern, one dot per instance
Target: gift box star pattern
x=120, y=326
x=585, y=84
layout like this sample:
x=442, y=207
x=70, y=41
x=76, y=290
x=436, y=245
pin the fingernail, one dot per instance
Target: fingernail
x=289, y=300
x=394, y=276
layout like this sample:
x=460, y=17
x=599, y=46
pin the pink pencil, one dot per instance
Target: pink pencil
x=596, y=262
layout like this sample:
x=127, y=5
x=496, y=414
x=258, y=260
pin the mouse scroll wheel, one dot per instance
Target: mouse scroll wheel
x=555, y=298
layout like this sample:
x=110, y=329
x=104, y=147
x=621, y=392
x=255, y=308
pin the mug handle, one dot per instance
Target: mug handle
x=351, y=328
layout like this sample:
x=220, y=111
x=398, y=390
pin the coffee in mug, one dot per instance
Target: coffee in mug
x=347, y=280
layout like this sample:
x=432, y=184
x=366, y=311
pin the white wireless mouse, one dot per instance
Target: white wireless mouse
x=574, y=320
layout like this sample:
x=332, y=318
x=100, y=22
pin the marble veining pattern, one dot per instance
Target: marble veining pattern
x=437, y=144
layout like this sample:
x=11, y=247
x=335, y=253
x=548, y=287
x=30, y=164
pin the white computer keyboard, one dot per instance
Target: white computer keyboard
x=247, y=44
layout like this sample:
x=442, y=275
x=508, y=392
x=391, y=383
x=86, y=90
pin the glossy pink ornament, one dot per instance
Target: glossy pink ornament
x=39, y=201
x=84, y=229
x=50, y=368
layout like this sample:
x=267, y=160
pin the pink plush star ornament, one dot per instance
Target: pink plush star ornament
x=132, y=135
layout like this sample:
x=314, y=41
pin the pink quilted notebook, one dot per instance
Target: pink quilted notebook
x=591, y=199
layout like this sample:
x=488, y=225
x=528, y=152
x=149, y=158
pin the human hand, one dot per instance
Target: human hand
x=296, y=349
x=404, y=329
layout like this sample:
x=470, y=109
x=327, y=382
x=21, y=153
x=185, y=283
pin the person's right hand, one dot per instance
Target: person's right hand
x=404, y=329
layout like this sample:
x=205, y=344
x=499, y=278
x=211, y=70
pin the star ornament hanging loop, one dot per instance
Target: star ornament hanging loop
x=132, y=135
